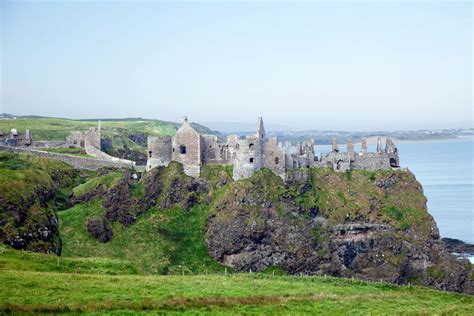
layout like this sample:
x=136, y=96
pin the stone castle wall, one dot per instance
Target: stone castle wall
x=213, y=151
x=75, y=161
x=186, y=149
x=275, y=157
x=255, y=152
x=351, y=160
x=92, y=146
x=159, y=151
x=248, y=159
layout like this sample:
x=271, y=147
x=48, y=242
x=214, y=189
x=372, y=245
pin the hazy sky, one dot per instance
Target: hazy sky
x=356, y=65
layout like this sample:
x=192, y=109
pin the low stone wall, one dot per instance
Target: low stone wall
x=75, y=161
x=92, y=147
x=48, y=143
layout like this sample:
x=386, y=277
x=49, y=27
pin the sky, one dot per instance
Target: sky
x=307, y=65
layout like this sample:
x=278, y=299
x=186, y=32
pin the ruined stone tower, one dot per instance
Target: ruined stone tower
x=249, y=154
x=159, y=151
x=186, y=148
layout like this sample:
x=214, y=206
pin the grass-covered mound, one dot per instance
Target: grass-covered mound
x=158, y=222
x=34, y=283
x=31, y=190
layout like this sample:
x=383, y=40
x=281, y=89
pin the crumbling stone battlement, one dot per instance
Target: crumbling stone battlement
x=363, y=160
x=92, y=145
x=14, y=139
x=254, y=152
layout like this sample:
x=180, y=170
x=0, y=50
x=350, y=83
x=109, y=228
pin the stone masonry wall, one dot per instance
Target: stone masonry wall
x=274, y=157
x=92, y=146
x=75, y=161
x=249, y=157
x=186, y=149
x=159, y=151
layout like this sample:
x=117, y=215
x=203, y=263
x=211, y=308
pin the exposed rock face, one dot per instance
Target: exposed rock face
x=164, y=187
x=327, y=223
x=118, y=203
x=28, y=204
x=100, y=230
x=34, y=226
x=458, y=246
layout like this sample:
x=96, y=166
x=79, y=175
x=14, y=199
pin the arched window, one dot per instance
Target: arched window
x=149, y=154
x=182, y=149
x=251, y=146
x=277, y=160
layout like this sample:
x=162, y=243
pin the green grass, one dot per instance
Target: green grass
x=45, y=128
x=161, y=241
x=21, y=175
x=108, y=180
x=29, y=261
x=69, y=151
x=33, y=283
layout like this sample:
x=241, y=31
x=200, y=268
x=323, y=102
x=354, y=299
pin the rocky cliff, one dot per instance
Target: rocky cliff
x=30, y=194
x=367, y=225
x=371, y=226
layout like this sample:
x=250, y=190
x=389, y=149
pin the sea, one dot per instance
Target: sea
x=445, y=169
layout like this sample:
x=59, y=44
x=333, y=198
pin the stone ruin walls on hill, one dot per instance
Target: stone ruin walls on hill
x=254, y=152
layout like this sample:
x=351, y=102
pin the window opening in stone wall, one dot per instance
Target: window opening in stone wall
x=277, y=160
x=251, y=146
x=251, y=160
x=182, y=149
x=149, y=154
x=393, y=163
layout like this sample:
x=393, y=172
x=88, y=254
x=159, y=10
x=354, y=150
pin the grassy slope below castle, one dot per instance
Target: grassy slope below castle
x=41, y=283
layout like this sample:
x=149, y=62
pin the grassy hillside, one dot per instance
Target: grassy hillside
x=42, y=284
x=128, y=136
x=161, y=241
x=31, y=190
x=166, y=239
x=45, y=128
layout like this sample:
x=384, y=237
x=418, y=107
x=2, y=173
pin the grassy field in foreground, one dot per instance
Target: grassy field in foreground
x=39, y=283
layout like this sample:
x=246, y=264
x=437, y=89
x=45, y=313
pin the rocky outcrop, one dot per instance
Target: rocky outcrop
x=458, y=246
x=29, y=190
x=118, y=204
x=163, y=187
x=99, y=229
x=320, y=222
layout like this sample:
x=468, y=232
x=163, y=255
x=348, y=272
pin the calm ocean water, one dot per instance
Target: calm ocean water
x=445, y=169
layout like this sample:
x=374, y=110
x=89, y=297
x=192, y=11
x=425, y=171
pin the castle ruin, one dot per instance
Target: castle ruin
x=14, y=139
x=255, y=151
